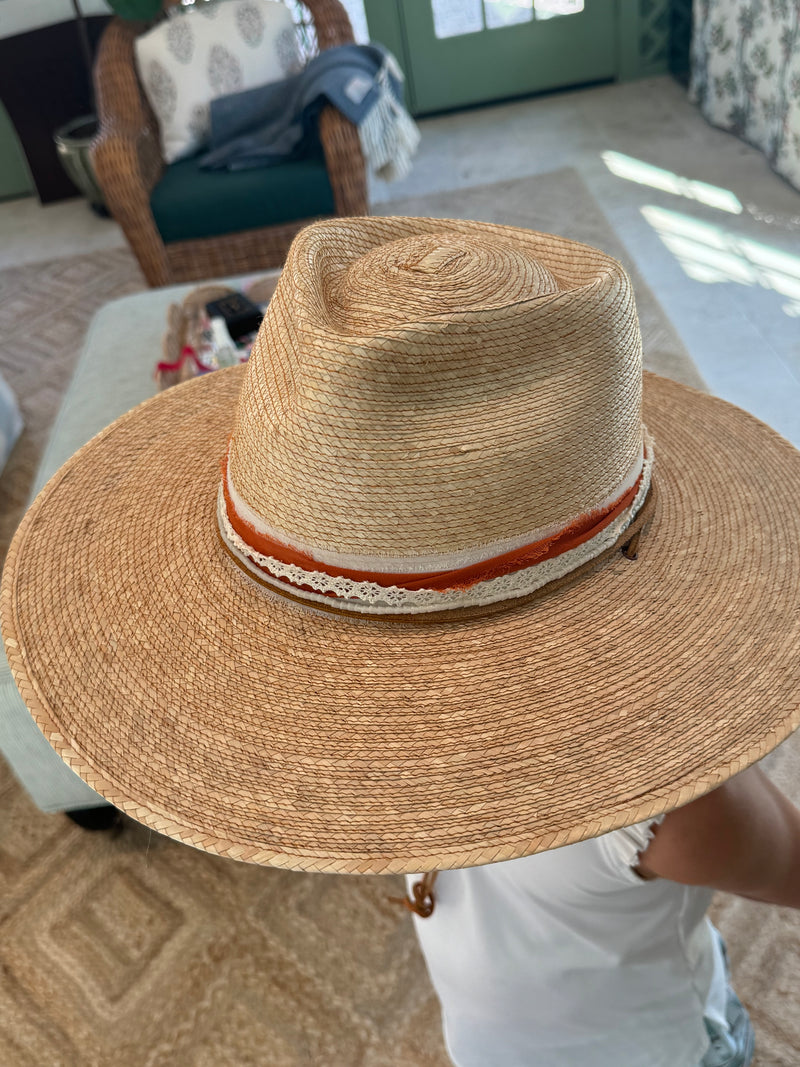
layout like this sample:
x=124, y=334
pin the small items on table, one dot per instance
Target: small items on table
x=215, y=326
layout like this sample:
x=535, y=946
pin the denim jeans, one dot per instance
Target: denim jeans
x=734, y=1045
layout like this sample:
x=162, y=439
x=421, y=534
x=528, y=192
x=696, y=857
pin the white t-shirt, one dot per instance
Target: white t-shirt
x=569, y=959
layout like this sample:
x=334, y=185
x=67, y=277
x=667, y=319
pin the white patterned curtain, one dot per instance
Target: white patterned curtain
x=746, y=74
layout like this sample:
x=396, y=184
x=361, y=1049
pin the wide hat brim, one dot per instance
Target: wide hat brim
x=238, y=721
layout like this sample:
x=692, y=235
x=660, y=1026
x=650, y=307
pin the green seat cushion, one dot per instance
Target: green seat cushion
x=189, y=202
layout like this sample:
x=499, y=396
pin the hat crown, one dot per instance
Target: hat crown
x=424, y=387
x=413, y=279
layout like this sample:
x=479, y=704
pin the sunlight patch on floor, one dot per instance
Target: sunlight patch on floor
x=636, y=170
x=710, y=253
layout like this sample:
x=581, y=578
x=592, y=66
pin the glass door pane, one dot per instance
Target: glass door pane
x=507, y=12
x=462, y=52
x=454, y=18
x=548, y=9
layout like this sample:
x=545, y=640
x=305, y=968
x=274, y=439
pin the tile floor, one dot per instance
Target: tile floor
x=714, y=232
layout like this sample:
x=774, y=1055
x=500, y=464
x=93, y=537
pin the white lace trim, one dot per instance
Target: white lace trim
x=374, y=599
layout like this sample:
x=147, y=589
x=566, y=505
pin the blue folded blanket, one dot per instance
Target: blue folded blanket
x=269, y=124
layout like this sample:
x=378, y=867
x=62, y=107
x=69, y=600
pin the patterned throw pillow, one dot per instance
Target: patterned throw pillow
x=207, y=51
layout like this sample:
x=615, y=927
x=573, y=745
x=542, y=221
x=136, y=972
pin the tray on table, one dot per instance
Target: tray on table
x=182, y=345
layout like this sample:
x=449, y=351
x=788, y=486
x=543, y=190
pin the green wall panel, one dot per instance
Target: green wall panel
x=15, y=179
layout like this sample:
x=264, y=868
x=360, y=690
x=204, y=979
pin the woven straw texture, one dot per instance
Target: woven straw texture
x=387, y=411
x=242, y=962
x=251, y=727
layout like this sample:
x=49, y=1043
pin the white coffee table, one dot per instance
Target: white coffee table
x=115, y=372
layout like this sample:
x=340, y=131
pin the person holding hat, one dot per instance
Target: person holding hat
x=439, y=581
x=600, y=952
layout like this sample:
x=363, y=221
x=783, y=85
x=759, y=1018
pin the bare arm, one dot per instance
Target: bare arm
x=743, y=838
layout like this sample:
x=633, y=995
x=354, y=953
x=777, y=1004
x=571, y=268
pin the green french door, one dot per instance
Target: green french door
x=461, y=52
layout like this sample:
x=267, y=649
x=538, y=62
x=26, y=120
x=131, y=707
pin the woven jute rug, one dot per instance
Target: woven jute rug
x=135, y=951
x=45, y=310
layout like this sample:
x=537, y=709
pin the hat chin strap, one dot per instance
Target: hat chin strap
x=499, y=578
x=422, y=901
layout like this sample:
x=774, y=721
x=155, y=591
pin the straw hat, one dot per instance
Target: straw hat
x=408, y=627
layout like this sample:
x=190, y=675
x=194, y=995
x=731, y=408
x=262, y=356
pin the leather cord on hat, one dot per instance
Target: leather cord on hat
x=631, y=549
x=423, y=901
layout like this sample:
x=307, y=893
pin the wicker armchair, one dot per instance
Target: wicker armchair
x=128, y=164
